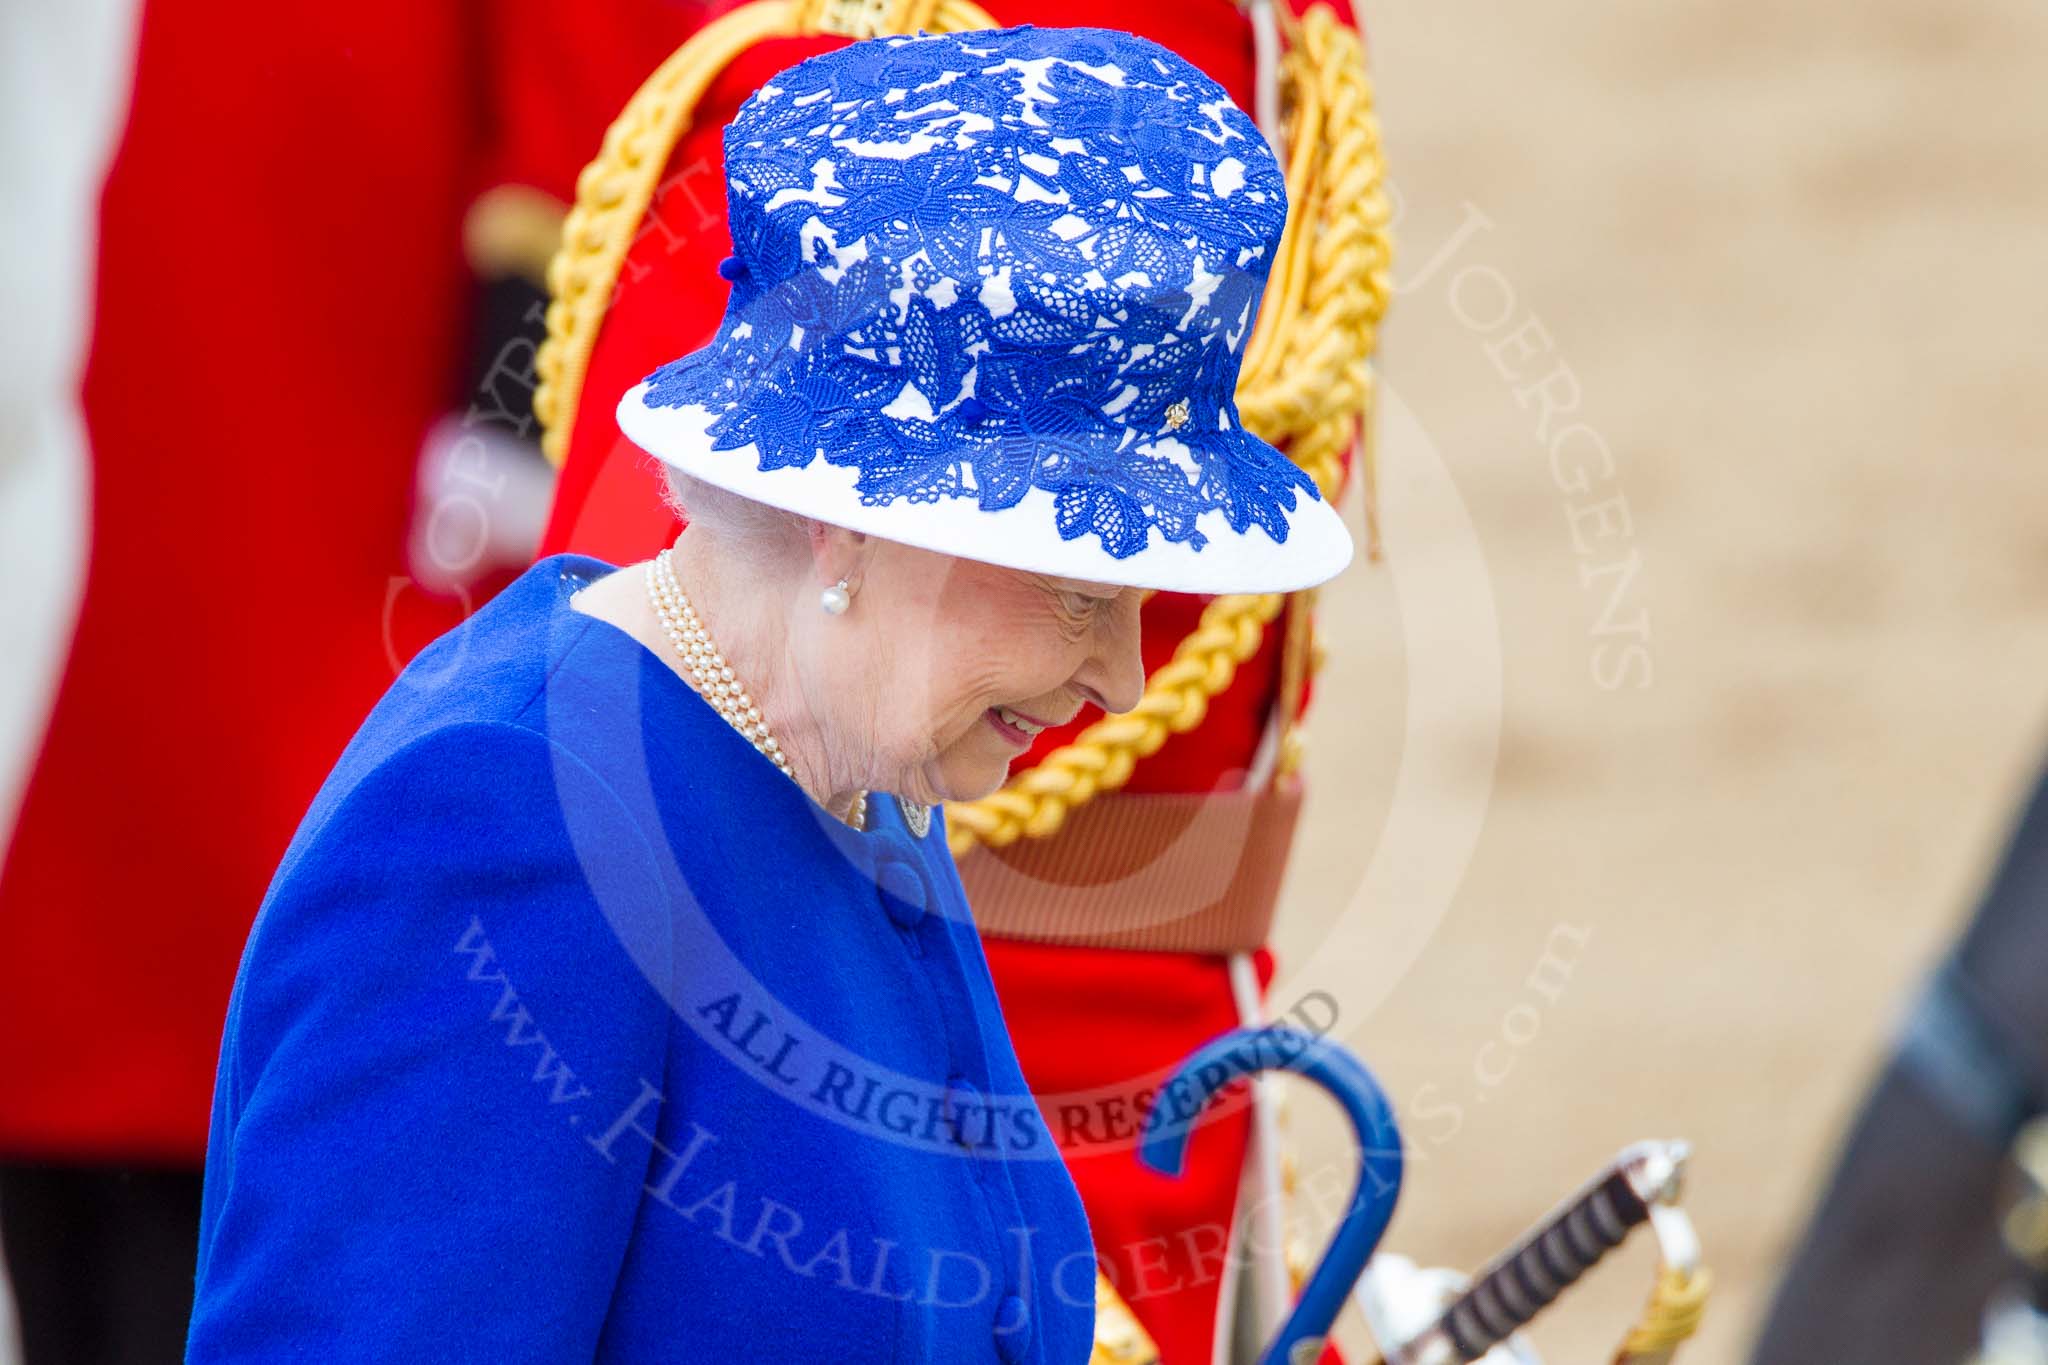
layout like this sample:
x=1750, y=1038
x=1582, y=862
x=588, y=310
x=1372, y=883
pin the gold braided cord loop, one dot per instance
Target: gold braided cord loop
x=615, y=189
x=1673, y=1315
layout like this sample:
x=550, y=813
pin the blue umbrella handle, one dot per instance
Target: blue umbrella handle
x=1245, y=1052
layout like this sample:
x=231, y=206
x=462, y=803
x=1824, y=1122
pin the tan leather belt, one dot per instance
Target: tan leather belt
x=1166, y=872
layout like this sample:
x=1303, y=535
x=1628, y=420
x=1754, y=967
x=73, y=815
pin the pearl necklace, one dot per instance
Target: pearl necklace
x=714, y=676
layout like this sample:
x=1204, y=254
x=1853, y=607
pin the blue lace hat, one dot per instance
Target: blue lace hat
x=990, y=293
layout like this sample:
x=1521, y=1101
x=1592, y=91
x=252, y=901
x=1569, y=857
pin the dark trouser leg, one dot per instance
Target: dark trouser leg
x=101, y=1261
x=1904, y=1249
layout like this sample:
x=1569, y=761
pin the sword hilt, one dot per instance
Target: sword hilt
x=1528, y=1277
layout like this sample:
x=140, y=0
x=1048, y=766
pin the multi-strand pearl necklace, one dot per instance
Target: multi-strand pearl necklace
x=714, y=676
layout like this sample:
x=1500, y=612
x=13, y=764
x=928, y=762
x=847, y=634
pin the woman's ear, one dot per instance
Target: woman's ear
x=839, y=555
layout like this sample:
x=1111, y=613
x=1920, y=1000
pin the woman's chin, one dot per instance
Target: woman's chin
x=974, y=765
x=964, y=778
x=989, y=787
x=951, y=787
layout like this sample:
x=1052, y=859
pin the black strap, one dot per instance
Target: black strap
x=1969, y=1059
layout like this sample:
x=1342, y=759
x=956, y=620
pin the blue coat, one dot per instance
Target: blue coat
x=571, y=1029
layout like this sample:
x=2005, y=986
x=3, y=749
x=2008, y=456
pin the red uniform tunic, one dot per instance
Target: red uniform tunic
x=280, y=295
x=1082, y=1019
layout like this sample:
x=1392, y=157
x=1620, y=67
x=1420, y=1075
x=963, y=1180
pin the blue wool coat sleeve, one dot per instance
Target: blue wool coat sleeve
x=388, y=1179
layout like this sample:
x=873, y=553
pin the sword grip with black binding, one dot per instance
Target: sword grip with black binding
x=1523, y=1281
x=1509, y=1294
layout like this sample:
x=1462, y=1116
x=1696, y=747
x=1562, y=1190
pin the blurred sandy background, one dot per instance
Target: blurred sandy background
x=1793, y=258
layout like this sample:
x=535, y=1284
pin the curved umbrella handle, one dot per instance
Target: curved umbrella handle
x=1245, y=1052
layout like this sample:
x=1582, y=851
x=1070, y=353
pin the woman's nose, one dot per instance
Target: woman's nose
x=1114, y=676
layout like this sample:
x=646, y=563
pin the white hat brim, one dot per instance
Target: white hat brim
x=1022, y=536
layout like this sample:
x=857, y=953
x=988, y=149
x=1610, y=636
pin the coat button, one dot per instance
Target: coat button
x=967, y=1113
x=903, y=894
x=1013, y=1329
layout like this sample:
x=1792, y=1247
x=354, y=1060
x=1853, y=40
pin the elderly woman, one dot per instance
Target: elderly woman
x=617, y=998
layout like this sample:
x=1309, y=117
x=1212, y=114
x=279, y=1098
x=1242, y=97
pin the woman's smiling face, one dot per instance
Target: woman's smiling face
x=983, y=658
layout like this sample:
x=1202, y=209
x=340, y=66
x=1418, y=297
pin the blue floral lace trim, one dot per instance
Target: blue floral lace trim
x=975, y=265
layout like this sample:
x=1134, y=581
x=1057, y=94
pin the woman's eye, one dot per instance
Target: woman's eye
x=1080, y=603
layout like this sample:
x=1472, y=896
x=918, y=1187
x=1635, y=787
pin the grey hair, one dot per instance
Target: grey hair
x=752, y=528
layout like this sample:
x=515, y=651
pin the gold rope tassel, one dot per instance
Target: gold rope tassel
x=1307, y=378
x=1120, y=1339
x=1676, y=1305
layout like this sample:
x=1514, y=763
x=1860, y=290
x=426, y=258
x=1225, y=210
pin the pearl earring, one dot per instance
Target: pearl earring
x=836, y=599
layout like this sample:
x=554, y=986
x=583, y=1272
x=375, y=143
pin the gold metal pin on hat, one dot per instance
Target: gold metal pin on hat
x=1177, y=415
